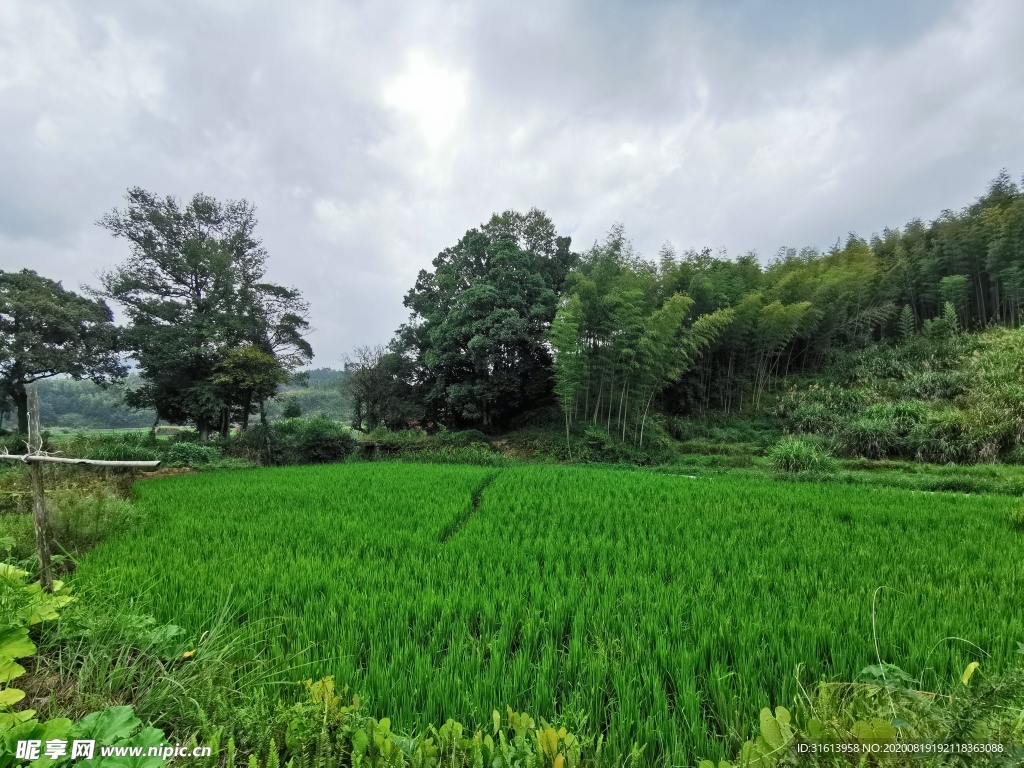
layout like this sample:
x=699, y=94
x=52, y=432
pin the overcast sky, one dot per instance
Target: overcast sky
x=371, y=135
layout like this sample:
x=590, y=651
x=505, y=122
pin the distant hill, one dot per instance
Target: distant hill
x=84, y=405
x=323, y=395
x=326, y=376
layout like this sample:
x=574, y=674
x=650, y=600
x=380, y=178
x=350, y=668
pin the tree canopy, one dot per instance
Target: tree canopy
x=479, y=319
x=211, y=337
x=47, y=331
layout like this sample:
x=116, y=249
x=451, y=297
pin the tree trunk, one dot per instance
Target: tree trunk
x=203, y=428
x=644, y=420
x=225, y=422
x=246, y=407
x=20, y=397
x=568, y=445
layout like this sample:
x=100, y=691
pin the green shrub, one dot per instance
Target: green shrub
x=882, y=431
x=191, y=455
x=79, y=522
x=952, y=435
x=122, y=451
x=393, y=441
x=598, y=442
x=684, y=429
x=935, y=385
x=997, y=380
x=295, y=441
x=838, y=400
x=794, y=454
x=478, y=454
x=815, y=418
x=463, y=438
x=1015, y=455
x=871, y=438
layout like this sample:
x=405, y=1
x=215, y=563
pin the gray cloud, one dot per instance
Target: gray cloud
x=372, y=135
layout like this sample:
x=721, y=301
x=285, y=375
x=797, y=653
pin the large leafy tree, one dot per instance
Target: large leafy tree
x=47, y=331
x=479, y=319
x=203, y=320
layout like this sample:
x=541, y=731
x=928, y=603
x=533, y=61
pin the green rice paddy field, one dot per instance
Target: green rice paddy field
x=666, y=610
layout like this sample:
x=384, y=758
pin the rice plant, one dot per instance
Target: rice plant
x=659, y=610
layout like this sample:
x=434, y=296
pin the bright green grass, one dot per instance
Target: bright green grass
x=666, y=610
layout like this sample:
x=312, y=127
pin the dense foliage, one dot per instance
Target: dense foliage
x=48, y=331
x=940, y=396
x=661, y=610
x=212, y=339
x=294, y=441
x=476, y=338
x=503, y=323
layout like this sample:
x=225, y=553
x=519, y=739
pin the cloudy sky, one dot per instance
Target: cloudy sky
x=371, y=135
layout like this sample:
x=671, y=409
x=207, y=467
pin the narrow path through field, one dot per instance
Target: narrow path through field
x=460, y=520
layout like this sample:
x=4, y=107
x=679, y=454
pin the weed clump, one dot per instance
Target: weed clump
x=794, y=454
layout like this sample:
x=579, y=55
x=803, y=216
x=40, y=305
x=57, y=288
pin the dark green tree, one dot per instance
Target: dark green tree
x=292, y=409
x=477, y=332
x=47, y=331
x=193, y=291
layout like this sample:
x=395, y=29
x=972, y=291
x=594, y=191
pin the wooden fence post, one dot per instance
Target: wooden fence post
x=40, y=517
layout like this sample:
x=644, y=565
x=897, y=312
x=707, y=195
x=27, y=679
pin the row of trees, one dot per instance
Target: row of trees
x=510, y=317
x=210, y=338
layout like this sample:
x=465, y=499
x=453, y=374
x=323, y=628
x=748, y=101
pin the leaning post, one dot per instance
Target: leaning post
x=40, y=517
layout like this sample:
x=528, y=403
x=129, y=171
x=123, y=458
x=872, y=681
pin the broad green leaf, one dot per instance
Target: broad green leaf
x=876, y=730
x=771, y=731
x=15, y=644
x=10, y=696
x=10, y=669
x=57, y=728
x=107, y=726
x=751, y=756
x=359, y=742
x=147, y=737
x=46, y=608
x=52, y=729
x=11, y=572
